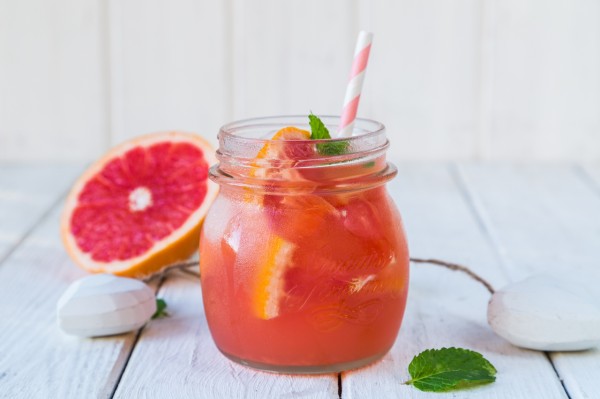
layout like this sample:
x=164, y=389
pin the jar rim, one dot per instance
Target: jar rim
x=244, y=162
x=366, y=128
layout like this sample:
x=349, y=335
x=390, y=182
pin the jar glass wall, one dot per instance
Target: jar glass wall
x=303, y=257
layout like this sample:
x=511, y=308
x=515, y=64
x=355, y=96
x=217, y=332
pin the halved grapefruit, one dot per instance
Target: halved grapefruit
x=140, y=207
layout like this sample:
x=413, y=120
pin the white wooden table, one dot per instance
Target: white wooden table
x=504, y=221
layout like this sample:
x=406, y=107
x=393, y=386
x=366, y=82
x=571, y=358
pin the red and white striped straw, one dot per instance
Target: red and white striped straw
x=354, y=87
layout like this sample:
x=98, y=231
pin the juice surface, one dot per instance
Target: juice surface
x=304, y=279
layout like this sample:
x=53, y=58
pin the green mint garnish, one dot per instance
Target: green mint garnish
x=449, y=369
x=369, y=164
x=318, y=131
x=333, y=148
x=161, y=305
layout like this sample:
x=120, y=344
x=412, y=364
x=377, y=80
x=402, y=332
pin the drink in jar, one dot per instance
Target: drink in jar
x=303, y=257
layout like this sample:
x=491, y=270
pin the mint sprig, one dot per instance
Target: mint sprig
x=318, y=131
x=161, y=305
x=449, y=369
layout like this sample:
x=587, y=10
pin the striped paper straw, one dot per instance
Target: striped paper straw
x=354, y=88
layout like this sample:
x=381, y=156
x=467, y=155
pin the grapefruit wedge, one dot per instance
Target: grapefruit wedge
x=140, y=207
x=295, y=268
x=296, y=214
x=274, y=256
x=276, y=153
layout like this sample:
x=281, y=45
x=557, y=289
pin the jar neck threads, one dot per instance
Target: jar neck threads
x=247, y=159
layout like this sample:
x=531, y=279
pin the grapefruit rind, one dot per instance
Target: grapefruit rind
x=177, y=246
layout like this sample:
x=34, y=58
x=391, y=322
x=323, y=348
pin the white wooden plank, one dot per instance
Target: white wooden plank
x=579, y=372
x=546, y=219
x=423, y=79
x=27, y=191
x=36, y=359
x=52, y=98
x=175, y=357
x=592, y=171
x=290, y=57
x=447, y=308
x=169, y=67
x=546, y=83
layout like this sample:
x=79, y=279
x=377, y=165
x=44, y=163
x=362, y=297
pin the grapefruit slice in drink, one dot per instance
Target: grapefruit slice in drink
x=273, y=259
x=299, y=214
x=270, y=280
x=285, y=147
x=140, y=207
x=298, y=269
x=289, y=275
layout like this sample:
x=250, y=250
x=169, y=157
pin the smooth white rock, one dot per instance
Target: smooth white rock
x=547, y=313
x=103, y=304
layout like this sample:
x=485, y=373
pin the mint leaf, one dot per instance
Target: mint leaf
x=318, y=131
x=369, y=164
x=448, y=369
x=161, y=305
x=333, y=148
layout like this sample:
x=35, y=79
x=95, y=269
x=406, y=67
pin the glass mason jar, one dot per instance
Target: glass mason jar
x=303, y=256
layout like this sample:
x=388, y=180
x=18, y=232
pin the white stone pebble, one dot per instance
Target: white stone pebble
x=547, y=313
x=103, y=304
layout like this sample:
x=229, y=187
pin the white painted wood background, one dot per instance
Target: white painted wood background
x=452, y=79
